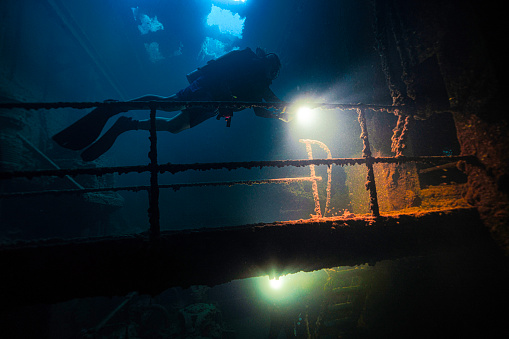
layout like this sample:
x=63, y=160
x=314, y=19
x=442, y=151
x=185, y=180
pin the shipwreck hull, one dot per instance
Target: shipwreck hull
x=51, y=271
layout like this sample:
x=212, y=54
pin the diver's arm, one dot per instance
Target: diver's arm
x=264, y=113
x=269, y=96
x=278, y=114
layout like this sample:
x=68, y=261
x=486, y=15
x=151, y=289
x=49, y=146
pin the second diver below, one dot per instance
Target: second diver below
x=241, y=75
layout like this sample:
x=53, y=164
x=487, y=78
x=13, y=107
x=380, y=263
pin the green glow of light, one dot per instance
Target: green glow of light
x=289, y=288
x=276, y=283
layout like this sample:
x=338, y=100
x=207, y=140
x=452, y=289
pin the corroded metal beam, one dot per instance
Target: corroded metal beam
x=366, y=153
x=177, y=105
x=56, y=270
x=176, y=168
x=175, y=187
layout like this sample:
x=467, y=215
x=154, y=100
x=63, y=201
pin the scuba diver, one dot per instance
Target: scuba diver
x=241, y=75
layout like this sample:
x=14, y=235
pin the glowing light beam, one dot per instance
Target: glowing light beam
x=276, y=283
x=305, y=115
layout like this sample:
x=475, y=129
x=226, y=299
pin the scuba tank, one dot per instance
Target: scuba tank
x=222, y=64
x=197, y=73
x=221, y=67
x=194, y=75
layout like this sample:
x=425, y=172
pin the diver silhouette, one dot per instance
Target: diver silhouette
x=241, y=75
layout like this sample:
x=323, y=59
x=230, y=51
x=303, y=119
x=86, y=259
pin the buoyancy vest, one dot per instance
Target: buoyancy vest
x=224, y=65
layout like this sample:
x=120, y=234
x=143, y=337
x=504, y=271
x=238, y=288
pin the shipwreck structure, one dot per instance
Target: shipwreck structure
x=436, y=59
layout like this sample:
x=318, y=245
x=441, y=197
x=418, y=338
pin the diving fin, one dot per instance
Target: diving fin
x=86, y=130
x=104, y=143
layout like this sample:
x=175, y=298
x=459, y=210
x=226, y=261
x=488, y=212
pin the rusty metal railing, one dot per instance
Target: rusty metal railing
x=155, y=168
x=308, y=142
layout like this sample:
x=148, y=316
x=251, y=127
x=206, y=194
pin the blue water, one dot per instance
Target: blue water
x=125, y=49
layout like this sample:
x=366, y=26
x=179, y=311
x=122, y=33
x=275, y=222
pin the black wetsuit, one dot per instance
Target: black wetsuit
x=237, y=76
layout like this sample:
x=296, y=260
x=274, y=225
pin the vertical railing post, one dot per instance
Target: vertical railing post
x=366, y=153
x=153, y=210
x=308, y=143
x=318, y=211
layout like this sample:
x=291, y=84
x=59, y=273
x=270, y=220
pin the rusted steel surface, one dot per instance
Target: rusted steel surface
x=57, y=270
x=148, y=105
x=400, y=135
x=175, y=187
x=366, y=153
x=324, y=147
x=176, y=168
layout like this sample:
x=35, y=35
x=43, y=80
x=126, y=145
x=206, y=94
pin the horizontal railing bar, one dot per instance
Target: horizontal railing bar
x=170, y=105
x=176, y=168
x=175, y=187
x=436, y=168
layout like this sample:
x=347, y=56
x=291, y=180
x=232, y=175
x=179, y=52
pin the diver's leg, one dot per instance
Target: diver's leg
x=176, y=124
x=152, y=97
x=187, y=118
x=161, y=98
x=104, y=143
x=86, y=130
x=180, y=122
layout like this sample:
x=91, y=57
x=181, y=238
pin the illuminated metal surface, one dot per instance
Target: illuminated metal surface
x=154, y=168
